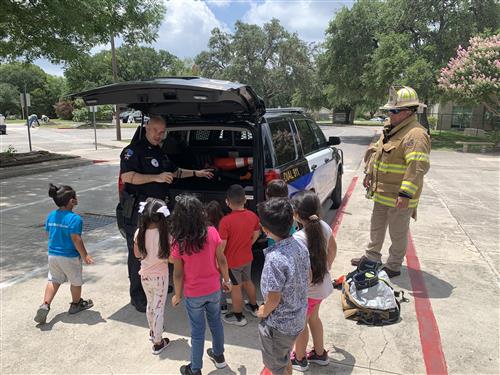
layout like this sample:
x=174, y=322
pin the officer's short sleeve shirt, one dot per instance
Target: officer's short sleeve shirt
x=145, y=158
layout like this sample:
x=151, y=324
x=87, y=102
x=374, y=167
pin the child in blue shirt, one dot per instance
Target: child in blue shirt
x=66, y=252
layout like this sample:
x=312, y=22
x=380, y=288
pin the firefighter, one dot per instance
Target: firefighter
x=395, y=169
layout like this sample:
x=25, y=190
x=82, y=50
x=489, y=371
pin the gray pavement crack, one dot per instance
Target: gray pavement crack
x=364, y=350
x=383, y=349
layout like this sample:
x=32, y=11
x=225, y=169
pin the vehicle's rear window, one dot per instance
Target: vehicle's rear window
x=283, y=141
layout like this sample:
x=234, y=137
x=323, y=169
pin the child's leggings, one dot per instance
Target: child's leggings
x=156, y=289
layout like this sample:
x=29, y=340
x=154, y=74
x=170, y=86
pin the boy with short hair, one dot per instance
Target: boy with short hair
x=276, y=188
x=284, y=283
x=238, y=231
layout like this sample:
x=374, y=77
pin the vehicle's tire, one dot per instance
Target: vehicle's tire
x=337, y=192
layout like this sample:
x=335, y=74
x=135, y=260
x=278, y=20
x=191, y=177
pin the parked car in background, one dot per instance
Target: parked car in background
x=380, y=119
x=3, y=125
x=136, y=116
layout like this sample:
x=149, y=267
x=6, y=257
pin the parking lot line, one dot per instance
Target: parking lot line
x=430, y=338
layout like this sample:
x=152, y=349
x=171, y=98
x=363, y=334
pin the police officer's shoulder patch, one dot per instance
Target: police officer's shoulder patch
x=128, y=153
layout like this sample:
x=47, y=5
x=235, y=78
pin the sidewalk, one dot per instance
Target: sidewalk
x=458, y=257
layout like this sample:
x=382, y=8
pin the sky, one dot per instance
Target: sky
x=186, y=28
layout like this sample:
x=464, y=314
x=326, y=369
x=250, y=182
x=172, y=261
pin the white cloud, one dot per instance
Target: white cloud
x=309, y=18
x=185, y=31
x=219, y=3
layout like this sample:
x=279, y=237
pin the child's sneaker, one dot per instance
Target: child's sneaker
x=299, y=365
x=321, y=360
x=157, y=349
x=218, y=360
x=186, y=370
x=80, y=306
x=223, y=309
x=41, y=314
x=252, y=309
x=231, y=318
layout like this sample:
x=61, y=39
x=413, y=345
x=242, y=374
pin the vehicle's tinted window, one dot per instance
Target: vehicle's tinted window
x=282, y=138
x=320, y=137
x=307, y=137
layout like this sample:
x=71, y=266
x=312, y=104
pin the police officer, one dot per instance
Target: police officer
x=146, y=172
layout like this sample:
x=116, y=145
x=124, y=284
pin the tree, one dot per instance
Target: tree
x=63, y=30
x=135, y=63
x=45, y=90
x=270, y=59
x=473, y=76
x=9, y=99
x=376, y=44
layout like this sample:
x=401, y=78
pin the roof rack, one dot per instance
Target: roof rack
x=286, y=110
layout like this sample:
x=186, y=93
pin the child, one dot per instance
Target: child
x=151, y=245
x=283, y=285
x=66, y=252
x=196, y=248
x=317, y=236
x=278, y=189
x=214, y=213
x=238, y=231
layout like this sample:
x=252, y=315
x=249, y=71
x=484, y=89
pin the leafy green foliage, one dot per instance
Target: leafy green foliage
x=64, y=109
x=269, y=58
x=64, y=30
x=9, y=99
x=134, y=63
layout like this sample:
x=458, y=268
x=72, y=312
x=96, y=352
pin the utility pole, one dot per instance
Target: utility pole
x=26, y=106
x=115, y=79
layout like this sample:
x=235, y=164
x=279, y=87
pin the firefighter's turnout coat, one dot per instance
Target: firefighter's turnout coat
x=397, y=163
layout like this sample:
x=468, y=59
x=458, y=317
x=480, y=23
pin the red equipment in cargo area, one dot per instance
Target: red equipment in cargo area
x=229, y=164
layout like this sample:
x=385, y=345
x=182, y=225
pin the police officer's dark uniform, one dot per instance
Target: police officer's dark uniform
x=144, y=158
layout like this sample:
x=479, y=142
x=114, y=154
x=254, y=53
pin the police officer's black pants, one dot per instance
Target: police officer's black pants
x=137, y=294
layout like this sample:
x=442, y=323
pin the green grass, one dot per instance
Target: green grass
x=367, y=123
x=445, y=139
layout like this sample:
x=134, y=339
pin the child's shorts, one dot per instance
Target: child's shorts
x=311, y=304
x=275, y=347
x=62, y=269
x=241, y=274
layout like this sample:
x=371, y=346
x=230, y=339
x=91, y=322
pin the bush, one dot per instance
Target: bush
x=104, y=113
x=64, y=109
x=433, y=121
x=81, y=115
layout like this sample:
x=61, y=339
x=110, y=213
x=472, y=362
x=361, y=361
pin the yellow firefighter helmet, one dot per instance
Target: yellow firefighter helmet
x=402, y=97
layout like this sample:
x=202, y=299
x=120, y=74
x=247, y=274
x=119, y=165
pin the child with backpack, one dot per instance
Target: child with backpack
x=152, y=247
x=66, y=252
x=196, y=251
x=317, y=236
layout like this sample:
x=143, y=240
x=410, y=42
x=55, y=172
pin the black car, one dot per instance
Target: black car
x=225, y=126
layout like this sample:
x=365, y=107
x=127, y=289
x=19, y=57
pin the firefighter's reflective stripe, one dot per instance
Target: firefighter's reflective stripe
x=391, y=202
x=390, y=168
x=417, y=156
x=408, y=187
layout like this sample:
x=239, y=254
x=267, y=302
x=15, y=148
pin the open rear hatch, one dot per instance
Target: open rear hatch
x=181, y=97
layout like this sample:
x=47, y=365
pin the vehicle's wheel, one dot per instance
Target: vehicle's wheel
x=337, y=192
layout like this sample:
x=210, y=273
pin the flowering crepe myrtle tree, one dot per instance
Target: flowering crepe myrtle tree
x=473, y=76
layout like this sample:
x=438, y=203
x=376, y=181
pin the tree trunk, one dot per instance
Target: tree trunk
x=115, y=79
x=424, y=121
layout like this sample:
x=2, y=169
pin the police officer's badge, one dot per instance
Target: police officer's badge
x=155, y=163
x=128, y=154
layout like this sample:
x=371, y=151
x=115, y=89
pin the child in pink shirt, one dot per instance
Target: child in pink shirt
x=151, y=245
x=196, y=251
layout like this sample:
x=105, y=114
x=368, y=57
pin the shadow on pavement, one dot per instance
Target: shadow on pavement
x=436, y=287
x=88, y=317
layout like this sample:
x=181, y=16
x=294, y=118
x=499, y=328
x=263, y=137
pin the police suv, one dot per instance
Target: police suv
x=225, y=126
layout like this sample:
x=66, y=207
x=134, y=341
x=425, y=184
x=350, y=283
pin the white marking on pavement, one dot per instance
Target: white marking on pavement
x=48, y=199
x=36, y=271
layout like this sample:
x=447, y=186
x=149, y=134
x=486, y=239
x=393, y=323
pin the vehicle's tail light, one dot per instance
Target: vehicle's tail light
x=271, y=174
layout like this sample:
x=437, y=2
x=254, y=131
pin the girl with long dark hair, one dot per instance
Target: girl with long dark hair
x=152, y=246
x=196, y=251
x=317, y=236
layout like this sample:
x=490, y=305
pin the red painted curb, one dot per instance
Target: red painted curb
x=430, y=339
x=99, y=161
x=340, y=212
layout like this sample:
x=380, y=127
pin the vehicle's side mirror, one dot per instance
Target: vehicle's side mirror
x=333, y=141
